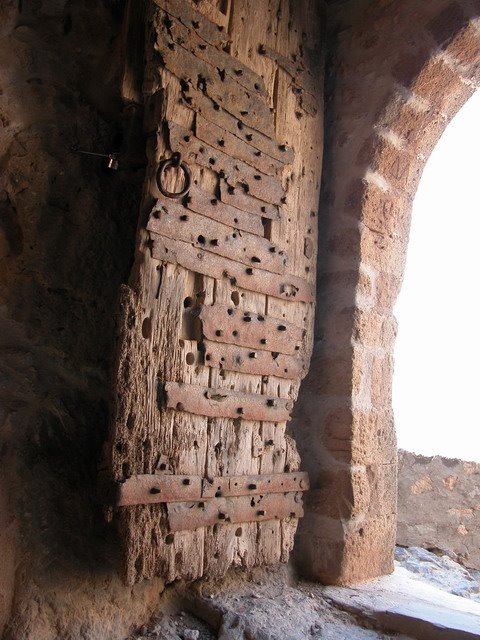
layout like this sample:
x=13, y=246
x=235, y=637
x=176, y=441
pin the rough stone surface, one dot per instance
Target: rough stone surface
x=441, y=571
x=403, y=604
x=394, y=80
x=439, y=506
x=66, y=237
x=259, y=605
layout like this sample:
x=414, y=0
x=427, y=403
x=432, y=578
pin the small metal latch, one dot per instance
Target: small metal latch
x=112, y=158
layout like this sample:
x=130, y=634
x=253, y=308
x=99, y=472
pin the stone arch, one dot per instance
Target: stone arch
x=397, y=77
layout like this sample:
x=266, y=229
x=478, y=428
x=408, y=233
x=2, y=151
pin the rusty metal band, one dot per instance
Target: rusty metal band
x=260, y=185
x=224, y=141
x=184, y=516
x=208, y=205
x=228, y=65
x=213, y=112
x=237, y=197
x=228, y=486
x=286, y=287
x=226, y=403
x=203, y=27
x=254, y=361
x=231, y=325
x=215, y=237
x=247, y=107
x=157, y=488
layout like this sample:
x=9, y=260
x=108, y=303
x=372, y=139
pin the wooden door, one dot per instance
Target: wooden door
x=215, y=328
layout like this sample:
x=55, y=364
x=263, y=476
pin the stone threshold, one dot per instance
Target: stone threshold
x=402, y=604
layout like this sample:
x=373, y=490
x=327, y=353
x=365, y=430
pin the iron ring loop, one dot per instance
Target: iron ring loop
x=174, y=161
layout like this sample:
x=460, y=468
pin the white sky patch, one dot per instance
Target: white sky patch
x=436, y=385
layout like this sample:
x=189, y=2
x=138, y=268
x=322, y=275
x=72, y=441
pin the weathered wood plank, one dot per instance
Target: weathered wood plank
x=151, y=351
x=204, y=233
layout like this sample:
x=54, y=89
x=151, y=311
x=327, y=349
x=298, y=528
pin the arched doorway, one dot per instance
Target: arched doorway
x=436, y=352
x=397, y=76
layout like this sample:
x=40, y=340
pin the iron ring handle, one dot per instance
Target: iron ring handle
x=174, y=161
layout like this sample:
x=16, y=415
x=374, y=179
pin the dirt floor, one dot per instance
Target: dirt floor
x=256, y=605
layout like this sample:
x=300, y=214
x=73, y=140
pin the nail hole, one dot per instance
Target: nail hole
x=147, y=328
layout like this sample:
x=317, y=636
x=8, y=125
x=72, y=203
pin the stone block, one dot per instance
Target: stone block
x=442, y=87
x=388, y=288
x=447, y=22
x=464, y=48
x=344, y=553
x=383, y=252
x=373, y=329
x=357, y=492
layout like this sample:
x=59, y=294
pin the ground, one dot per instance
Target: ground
x=274, y=605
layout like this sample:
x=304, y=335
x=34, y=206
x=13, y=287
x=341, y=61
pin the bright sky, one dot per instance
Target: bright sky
x=436, y=385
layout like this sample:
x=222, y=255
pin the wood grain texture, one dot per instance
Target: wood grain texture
x=157, y=338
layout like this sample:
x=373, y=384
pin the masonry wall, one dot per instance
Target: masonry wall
x=66, y=243
x=397, y=72
x=439, y=506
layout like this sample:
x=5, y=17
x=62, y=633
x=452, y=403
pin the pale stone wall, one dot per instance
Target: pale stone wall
x=439, y=506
